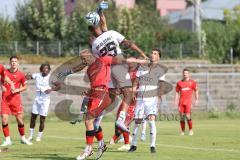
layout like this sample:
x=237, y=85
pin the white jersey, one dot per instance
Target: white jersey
x=42, y=84
x=148, y=81
x=108, y=43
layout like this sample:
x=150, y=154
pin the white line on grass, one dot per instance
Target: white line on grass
x=163, y=145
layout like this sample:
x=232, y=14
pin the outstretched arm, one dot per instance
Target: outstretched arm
x=103, y=22
x=128, y=44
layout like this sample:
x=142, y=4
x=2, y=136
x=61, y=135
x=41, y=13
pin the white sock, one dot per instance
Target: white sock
x=144, y=125
x=40, y=134
x=135, y=134
x=8, y=138
x=100, y=143
x=153, y=132
x=88, y=148
x=122, y=116
x=31, y=130
x=23, y=137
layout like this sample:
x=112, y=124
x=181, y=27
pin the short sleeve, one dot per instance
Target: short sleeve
x=108, y=60
x=34, y=75
x=194, y=87
x=2, y=70
x=23, y=80
x=118, y=36
x=177, y=87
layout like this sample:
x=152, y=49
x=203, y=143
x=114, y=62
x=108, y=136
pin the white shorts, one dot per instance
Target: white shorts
x=144, y=108
x=41, y=106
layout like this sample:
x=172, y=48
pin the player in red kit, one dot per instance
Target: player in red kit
x=99, y=76
x=11, y=101
x=183, y=99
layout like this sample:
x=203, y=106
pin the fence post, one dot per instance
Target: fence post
x=231, y=55
x=16, y=46
x=37, y=51
x=208, y=94
x=59, y=48
x=79, y=49
x=180, y=50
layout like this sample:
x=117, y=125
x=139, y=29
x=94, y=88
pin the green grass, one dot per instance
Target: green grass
x=214, y=139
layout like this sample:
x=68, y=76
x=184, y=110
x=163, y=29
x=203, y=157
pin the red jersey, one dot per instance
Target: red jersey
x=2, y=70
x=99, y=71
x=18, y=78
x=186, y=89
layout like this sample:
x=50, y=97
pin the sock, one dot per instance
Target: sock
x=40, y=134
x=115, y=138
x=7, y=139
x=126, y=137
x=189, y=123
x=99, y=134
x=21, y=129
x=135, y=134
x=144, y=125
x=153, y=132
x=6, y=130
x=90, y=136
x=182, y=123
x=31, y=130
x=122, y=116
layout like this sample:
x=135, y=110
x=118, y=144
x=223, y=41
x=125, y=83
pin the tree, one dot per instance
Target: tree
x=7, y=30
x=41, y=20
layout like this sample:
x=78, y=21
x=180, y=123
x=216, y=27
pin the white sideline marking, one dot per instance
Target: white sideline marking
x=163, y=145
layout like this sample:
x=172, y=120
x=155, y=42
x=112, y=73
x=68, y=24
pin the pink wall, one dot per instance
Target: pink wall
x=125, y=3
x=166, y=6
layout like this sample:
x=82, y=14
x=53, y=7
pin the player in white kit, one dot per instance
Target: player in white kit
x=108, y=43
x=147, y=97
x=42, y=99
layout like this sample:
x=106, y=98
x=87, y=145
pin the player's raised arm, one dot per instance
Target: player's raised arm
x=103, y=22
x=128, y=44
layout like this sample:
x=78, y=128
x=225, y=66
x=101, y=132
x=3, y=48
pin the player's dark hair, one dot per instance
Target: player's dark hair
x=14, y=56
x=158, y=50
x=185, y=69
x=43, y=65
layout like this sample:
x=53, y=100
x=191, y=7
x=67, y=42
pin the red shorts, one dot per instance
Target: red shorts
x=11, y=105
x=185, y=108
x=98, y=101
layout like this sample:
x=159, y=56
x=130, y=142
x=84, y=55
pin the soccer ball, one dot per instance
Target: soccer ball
x=92, y=18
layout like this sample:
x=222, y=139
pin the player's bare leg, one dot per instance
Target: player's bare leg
x=153, y=132
x=182, y=123
x=189, y=121
x=32, y=126
x=127, y=99
x=5, y=129
x=19, y=118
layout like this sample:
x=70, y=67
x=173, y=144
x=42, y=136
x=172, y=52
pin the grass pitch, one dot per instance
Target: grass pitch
x=214, y=139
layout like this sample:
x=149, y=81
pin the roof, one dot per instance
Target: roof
x=211, y=10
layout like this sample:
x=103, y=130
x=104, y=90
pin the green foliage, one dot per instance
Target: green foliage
x=7, y=30
x=41, y=20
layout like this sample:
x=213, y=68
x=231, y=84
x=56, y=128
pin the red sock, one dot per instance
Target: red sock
x=115, y=137
x=126, y=137
x=5, y=130
x=99, y=134
x=190, y=124
x=21, y=129
x=90, y=137
x=182, y=123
